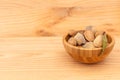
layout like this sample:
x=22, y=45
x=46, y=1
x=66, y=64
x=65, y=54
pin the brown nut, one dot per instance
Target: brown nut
x=88, y=45
x=98, y=33
x=79, y=38
x=72, y=33
x=98, y=41
x=89, y=28
x=72, y=41
x=89, y=35
x=81, y=31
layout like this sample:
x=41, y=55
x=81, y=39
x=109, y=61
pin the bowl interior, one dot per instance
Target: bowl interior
x=110, y=42
x=86, y=55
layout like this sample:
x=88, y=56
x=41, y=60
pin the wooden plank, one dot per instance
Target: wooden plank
x=55, y=17
x=43, y=58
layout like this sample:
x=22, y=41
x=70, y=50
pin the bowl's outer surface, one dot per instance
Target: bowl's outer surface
x=88, y=55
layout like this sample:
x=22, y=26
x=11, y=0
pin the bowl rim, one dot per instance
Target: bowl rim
x=75, y=47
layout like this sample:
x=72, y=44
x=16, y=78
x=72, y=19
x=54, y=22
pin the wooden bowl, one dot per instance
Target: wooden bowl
x=84, y=55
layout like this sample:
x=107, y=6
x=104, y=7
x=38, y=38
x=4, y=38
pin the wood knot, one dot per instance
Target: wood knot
x=44, y=33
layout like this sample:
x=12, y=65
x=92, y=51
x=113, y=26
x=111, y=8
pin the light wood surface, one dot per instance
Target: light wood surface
x=55, y=17
x=23, y=56
x=43, y=58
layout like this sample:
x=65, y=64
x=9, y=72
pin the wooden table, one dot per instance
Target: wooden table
x=44, y=58
x=55, y=17
x=24, y=55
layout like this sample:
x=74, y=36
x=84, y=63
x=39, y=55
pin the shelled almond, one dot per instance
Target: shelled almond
x=88, y=45
x=89, y=35
x=72, y=41
x=98, y=33
x=98, y=41
x=80, y=39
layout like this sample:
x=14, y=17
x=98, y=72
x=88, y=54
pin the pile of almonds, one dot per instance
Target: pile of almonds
x=88, y=38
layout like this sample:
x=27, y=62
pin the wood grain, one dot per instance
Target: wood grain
x=55, y=17
x=43, y=58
